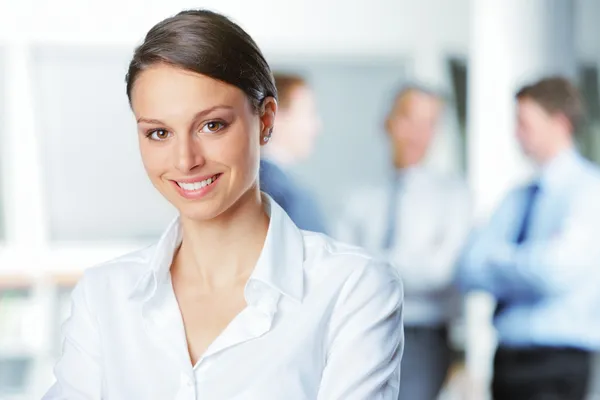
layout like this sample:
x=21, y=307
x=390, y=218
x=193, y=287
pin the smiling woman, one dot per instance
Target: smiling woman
x=199, y=147
x=234, y=301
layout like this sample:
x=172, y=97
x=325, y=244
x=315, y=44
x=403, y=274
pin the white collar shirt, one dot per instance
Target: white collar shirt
x=432, y=223
x=323, y=321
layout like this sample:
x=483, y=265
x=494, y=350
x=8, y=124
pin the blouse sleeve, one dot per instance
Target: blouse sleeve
x=78, y=372
x=366, y=338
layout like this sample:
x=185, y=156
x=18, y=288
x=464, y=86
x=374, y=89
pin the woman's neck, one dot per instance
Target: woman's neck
x=222, y=253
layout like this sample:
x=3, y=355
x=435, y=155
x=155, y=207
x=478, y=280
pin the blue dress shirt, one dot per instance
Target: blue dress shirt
x=550, y=283
x=297, y=202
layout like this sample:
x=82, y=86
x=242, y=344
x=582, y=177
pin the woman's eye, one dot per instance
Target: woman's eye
x=159, y=134
x=213, y=127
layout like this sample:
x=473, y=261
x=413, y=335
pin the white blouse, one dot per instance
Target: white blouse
x=323, y=321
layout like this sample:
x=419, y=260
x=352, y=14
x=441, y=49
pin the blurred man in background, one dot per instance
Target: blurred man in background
x=539, y=256
x=418, y=221
x=297, y=125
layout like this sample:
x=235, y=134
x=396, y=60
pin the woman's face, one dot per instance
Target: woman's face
x=199, y=139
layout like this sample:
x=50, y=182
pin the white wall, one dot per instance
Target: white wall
x=343, y=26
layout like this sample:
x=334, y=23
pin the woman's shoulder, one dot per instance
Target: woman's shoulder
x=325, y=255
x=120, y=274
x=364, y=288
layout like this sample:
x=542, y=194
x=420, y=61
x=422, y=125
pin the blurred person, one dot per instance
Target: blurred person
x=296, y=127
x=539, y=256
x=419, y=221
x=234, y=301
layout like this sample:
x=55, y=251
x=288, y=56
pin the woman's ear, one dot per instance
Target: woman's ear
x=267, y=119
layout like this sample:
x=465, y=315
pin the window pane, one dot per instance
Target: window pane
x=94, y=181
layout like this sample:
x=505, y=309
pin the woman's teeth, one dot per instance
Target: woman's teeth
x=197, y=185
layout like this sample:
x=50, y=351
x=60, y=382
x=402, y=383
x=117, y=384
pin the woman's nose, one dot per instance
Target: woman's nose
x=188, y=154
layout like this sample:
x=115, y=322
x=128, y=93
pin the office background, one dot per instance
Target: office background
x=72, y=189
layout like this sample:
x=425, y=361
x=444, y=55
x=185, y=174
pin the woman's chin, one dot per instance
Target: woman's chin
x=206, y=211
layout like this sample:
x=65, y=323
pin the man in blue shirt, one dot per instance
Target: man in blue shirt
x=297, y=124
x=539, y=257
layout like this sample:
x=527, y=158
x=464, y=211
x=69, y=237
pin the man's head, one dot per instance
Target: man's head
x=548, y=114
x=297, y=123
x=411, y=124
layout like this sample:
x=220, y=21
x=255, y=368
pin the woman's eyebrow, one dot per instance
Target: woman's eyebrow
x=198, y=115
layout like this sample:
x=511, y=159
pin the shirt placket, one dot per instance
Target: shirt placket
x=253, y=322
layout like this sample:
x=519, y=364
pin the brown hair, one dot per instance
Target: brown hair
x=210, y=44
x=286, y=84
x=556, y=95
